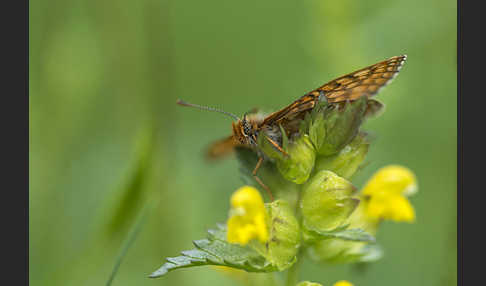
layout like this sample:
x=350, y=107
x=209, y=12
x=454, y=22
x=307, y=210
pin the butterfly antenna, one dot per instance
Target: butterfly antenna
x=183, y=103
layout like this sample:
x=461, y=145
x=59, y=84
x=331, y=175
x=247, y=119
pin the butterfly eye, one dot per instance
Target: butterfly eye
x=246, y=127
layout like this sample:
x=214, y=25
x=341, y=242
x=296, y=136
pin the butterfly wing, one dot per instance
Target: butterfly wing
x=367, y=81
x=364, y=82
x=221, y=148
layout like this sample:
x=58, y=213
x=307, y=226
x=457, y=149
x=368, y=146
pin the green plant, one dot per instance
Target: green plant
x=318, y=212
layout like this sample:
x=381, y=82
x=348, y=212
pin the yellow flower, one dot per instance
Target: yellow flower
x=392, y=207
x=387, y=191
x=391, y=179
x=247, y=217
x=343, y=283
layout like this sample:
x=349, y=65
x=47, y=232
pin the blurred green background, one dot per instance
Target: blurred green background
x=106, y=136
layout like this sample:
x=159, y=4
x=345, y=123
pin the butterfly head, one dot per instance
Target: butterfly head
x=247, y=133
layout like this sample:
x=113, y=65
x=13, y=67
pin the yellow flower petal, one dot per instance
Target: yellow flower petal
x=395, y=207
x=385, y=194
x=391, y=179
x=247, y=217
x=343, y=283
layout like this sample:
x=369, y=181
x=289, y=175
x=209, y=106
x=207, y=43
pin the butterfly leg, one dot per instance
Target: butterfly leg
x=254, y=173
x=275, y=144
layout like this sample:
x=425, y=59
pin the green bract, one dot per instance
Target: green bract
x=341, y=125
x=298, y=165
x=284, y=242
x=348, y=160
x=316, y=125
x=326, y=201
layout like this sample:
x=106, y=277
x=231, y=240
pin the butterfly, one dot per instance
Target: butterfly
x=245, y=132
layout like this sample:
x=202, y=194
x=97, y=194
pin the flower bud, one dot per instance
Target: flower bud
x=284, y=235
x=341, y=124
x=326, y=201
x=348, y=160
x=298, y=165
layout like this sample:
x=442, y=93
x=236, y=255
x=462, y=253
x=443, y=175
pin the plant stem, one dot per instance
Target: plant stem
x=131, y=238
x=294, y=271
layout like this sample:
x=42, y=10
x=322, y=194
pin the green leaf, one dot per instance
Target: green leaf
x=353, y=234
x=215, y=250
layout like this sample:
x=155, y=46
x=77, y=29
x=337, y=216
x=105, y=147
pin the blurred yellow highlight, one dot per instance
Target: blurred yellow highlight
x=231, y=272
x=343, y=283
x=387, y=191
x=247, y=217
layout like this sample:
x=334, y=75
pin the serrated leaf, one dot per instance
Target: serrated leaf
x=215, y=250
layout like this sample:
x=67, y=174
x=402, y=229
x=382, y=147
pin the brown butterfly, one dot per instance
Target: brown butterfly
x=364, y=82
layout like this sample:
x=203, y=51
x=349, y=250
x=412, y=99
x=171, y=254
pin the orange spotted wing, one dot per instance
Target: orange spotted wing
x=364, y=82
